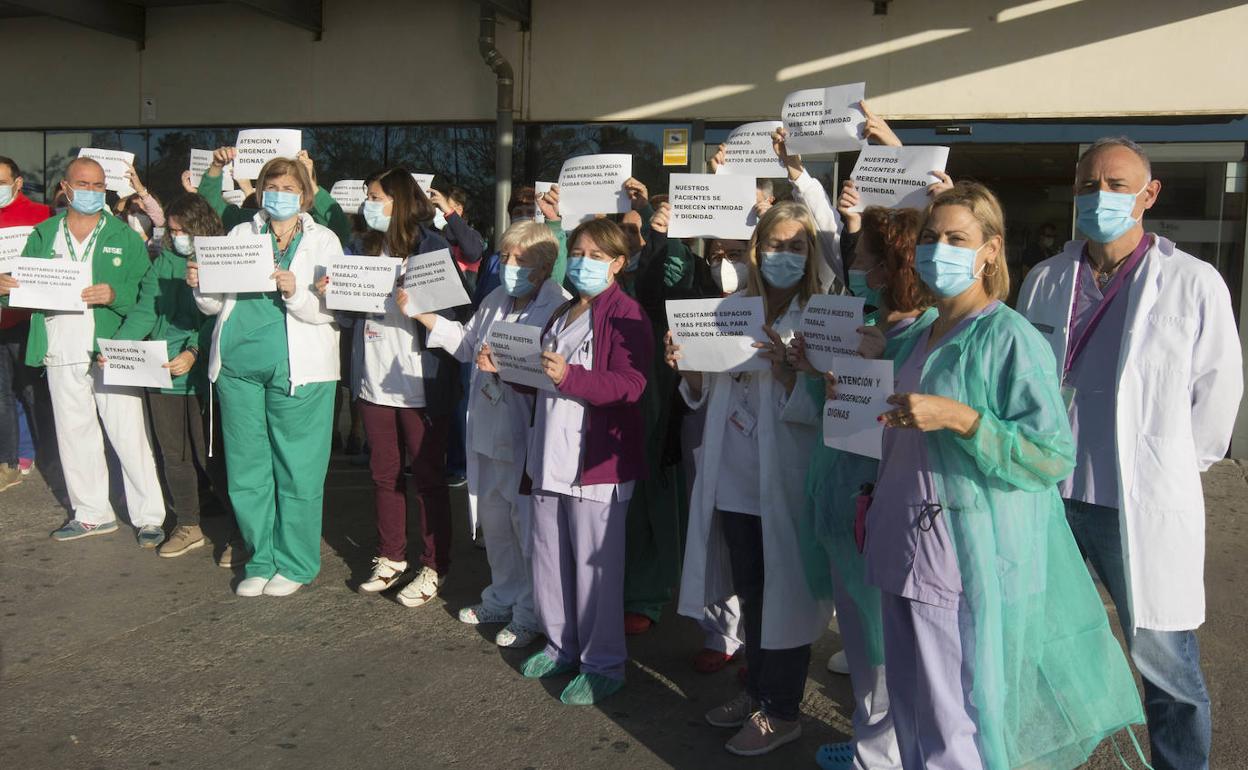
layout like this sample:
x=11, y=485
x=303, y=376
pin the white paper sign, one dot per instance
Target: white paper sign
x=116, y=163
x=824, y=120
x=517, y=352
x=896, y=177
x=231, y=264
x=424, y=182
x=234, y=197
x=593, y=184
x=540, y=189
x=140, y=364
x=850, y=420
x=711, y=206
x=200, y=161
x=257, y=146
x=830, y=328
x=50, y=284
x=349, y=193
x=748, y=152
x=718, y=335
x=12, y=241
x=361, y=284
x=432, y=283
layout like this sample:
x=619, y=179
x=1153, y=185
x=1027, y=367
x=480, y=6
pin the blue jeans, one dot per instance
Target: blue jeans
x=1176, y=702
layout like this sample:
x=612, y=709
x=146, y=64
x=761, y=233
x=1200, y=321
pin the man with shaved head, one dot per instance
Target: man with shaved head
x=1146, y=346
x=65, y=342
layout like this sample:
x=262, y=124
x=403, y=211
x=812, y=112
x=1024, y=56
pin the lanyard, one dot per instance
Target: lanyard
x=90, y=247
x=1079, y=344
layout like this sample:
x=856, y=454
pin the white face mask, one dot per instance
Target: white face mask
x=7, y=194
x=730, y=275
x=182, y=244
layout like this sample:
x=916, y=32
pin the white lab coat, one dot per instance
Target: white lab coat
x=1180, y=380
x=463, y=341
x=311, y=334
x=787, y=431
x=809, y=192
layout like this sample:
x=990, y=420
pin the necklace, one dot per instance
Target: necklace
x=1104, y=276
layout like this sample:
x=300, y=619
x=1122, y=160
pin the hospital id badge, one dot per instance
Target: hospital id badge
x=743, y=421
x=492, y=391
x=372, y=331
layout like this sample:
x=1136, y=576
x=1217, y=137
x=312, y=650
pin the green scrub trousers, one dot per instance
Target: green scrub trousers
x=276, y=442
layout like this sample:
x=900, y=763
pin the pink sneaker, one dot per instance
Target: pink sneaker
x=25, y=465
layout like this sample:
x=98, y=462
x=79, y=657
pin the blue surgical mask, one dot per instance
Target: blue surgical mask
x=182, y=244
x=516, y=280
x=282, y=205
x=860, y=288
x=947, y=270
x=87, y=201
x=1106, y=216
x=375, y=216
x=590, y=276
x=6, y=195
x=783, y=269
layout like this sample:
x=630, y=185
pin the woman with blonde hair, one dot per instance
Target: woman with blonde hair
x=498, y=427
x=274, y=360
x=750, y=490
x=998, y=650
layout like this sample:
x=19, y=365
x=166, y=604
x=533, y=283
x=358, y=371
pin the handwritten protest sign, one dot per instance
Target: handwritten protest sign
x=748, y=152
x=824, y=120
x=230, y=264
x=717, y=335
x=140, y=364
x=829, y=328
x=896, y=177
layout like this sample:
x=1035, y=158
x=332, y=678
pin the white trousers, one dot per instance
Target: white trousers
x=507, y=526
x=80, y=403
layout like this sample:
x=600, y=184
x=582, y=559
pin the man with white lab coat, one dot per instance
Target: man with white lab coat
x=1149, y=358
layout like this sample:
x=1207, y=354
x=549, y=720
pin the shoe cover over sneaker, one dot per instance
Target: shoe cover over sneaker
x=588, y=689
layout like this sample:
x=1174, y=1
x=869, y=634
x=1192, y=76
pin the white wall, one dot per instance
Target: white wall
x=401, y=60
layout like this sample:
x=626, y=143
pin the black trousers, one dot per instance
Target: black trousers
x=777, y=678
x=193, y=482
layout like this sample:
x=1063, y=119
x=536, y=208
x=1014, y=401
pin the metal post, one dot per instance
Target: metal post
x=504, y=137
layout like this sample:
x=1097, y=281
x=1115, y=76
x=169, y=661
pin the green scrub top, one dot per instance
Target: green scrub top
x=253, y=339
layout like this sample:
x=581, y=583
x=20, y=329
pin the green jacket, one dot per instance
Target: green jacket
x=120, y=260
x=166, y=310
x=325, y=210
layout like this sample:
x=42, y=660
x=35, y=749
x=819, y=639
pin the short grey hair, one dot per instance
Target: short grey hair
x=766, y=187
x=1120, y=141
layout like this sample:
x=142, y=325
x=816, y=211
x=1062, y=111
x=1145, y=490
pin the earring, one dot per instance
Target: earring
x=994, y=267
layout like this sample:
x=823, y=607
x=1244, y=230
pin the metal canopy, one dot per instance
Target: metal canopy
x=127, y=18
x=112, y=16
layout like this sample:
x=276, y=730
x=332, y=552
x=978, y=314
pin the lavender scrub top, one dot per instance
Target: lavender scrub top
x=558, y=438
x=908, y=552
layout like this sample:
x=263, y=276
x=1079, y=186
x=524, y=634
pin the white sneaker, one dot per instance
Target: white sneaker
x=281, y=586
x=252, y=586
x=515, y=636
x=838, y=663
x=421, y=590
x=479, y=613
x=385, y=573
